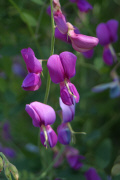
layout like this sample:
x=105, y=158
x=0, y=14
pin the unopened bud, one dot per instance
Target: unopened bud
x=1, y=164
x=14, y=171
x=7, y=173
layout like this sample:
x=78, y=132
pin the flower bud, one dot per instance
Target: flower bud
x=14, y=171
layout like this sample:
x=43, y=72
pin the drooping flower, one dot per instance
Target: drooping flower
x=6, y=131
x=73, y=158
x=107, y=34
x=62, y=68
x=66, y=38
x=91, y=174
x=9, y=152
x=83, y=5
x=43, y=116
x=80, y=42
x=32, y=82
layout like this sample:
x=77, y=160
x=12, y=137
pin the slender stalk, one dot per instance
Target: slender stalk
x=51, y=53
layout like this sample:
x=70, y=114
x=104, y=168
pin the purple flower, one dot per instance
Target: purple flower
x=60, y=21
x=83, y=5
x=113, y=86
x=108, y=57
x=68, y=112
x=88, y=54
x=107, y=32
x=62, y=68
x=80, y=42
x=32, y=82
x=41, y=114
x=64, y=134
x=91, y=174
x=49, y=133
x=73, y=158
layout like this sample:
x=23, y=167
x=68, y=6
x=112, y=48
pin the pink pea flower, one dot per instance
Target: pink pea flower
x=80, y=42
x=50, y=137
x=107, y=32
x=73, y=158
x=32, y=82
x=83, y=5
x=62, y=68
x=91, y=174
x=66, y=38
x=43, y=116
x=64, y=134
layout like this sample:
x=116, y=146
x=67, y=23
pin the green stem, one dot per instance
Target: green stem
x=44, y=173
x=51, y=53
x=90, y=66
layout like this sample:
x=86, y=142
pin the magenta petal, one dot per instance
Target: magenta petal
x=82, y=43
x=63, y=37
x=33, y=114
x=74, y=1
x=64, y=134
x=52, y=137
x=45, y=112
x=60, y=22
x=32, y=63
x=84, y=6
x=32, y=82
x=55, y=69
x=88, y=54
x=103, y=34
x=92, y=174
x=68, y=112
x=65, y=96
x=74, y=91
x=113, y=28
x=68, y=61
x=107, y=56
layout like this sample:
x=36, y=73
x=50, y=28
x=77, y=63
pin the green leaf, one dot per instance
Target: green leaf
x=27, y=18
x=40, y=2
x=103, y=153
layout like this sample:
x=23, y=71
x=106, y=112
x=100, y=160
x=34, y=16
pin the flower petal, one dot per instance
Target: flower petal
x=46, y=113
x=63, y=37
x=88, y=54
x=55, y=69
x=68, y=112
x=113, y=28
x=74, y=91
x=64, y=134
x=92, y=174
x=32, y=82
x=34, y=115
x=107, y=56
x=103, y=34
x=32, y=63
x=103, y=87
x=68, y=61
x=60, y=22
x=84, y=6
x=115, y=91
x=52, y=137
x=82, y=43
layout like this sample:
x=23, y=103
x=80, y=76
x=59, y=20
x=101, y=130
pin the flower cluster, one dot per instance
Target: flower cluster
x=107, y=34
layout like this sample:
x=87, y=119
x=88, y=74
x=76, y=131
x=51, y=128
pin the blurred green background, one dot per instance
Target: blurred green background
x=28, y=25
